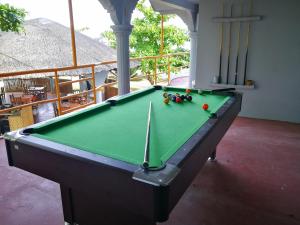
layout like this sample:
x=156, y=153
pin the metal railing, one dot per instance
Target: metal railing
x=162, y=65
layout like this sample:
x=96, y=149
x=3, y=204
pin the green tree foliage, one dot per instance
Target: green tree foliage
x=11, y=18
x=145, y=39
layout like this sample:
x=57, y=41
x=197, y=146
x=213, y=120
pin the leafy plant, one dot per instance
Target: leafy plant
x=145, y=40
x=11, y=18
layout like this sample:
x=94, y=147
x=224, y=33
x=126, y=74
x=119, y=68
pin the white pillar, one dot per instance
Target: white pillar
x=193, y=58
x=122, y=33
x=120, y=12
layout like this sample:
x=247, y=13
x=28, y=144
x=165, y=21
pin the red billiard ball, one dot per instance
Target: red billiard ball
x=205, y=106
x=178, y=100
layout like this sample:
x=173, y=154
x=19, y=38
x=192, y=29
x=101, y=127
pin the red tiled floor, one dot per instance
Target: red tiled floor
x=256, y=180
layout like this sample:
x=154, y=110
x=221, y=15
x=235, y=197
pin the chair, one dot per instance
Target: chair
x=18, y=100
x=12, y=99
x=2, y=94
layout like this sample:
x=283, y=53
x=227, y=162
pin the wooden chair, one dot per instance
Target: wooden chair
x=2, y=94
x=12, y=99
x=18, y=100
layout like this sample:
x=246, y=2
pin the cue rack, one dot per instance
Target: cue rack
x=235, y=30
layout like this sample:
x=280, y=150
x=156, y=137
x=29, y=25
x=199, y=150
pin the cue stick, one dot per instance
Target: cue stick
x=238, y=50
x=221, y=44
x=229, y=46
x=247, y=43
x=147, y=143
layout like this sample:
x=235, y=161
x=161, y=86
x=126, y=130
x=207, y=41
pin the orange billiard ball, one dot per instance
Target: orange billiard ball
x=188, y=91
x=205, y=106
x=166, y=100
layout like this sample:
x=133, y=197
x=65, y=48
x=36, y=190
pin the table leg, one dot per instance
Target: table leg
x=90, y=209
x=67, y=203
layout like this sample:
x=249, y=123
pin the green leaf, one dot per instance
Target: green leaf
x=146, y=35
x=11, y=18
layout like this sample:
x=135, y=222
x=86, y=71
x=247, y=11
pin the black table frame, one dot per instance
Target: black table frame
x=100, y=190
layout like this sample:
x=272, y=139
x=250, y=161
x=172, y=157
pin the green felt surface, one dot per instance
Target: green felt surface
x=119, y=131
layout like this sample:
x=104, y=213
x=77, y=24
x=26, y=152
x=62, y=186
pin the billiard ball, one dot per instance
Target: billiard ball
x=166, y=101
x=189, y=98
x=165, y=95
x=177, y=95
x=170, y=96
x=178, y=100
x=174, y=98
x=205, y=106
x=187, y=91
x=182, y=97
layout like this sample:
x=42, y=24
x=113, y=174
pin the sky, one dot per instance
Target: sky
x=87, y=13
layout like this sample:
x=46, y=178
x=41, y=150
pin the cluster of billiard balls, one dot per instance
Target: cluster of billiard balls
x=177, y=97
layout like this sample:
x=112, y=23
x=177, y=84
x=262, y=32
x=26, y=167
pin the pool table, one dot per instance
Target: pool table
x=96, y=154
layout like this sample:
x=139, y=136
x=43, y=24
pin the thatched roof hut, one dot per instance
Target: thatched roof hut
x=47, y=44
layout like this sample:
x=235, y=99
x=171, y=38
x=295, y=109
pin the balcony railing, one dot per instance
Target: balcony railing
x=159, y=71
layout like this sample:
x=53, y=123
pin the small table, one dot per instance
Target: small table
x=27, y=99
x=95, y=154
x=40, y=92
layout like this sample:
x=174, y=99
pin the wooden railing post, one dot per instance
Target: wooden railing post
x=57, y=90
x=94, y=82
x=56, y=71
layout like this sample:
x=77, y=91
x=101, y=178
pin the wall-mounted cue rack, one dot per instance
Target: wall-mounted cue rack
x=233, y=42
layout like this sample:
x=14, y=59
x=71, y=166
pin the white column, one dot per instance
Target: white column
x=122, y=35
x=120, y=12
x=193, y=58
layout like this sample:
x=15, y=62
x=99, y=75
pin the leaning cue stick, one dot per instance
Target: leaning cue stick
x=221, y=44
x=147, y=143
x=238, y=50
x=247, y=43
x=229, y=47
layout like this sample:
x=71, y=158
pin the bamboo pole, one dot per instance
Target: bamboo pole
x=74, y=81
x=2, y=111
x=59, y=69
x=77, y=107
x=26, y=105
x=52, y=70
x=75, y=95
x=72, y=33
x=94, y=82
x=57, y=92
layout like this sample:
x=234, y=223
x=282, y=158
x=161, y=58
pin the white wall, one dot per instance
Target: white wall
x=273, y=60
